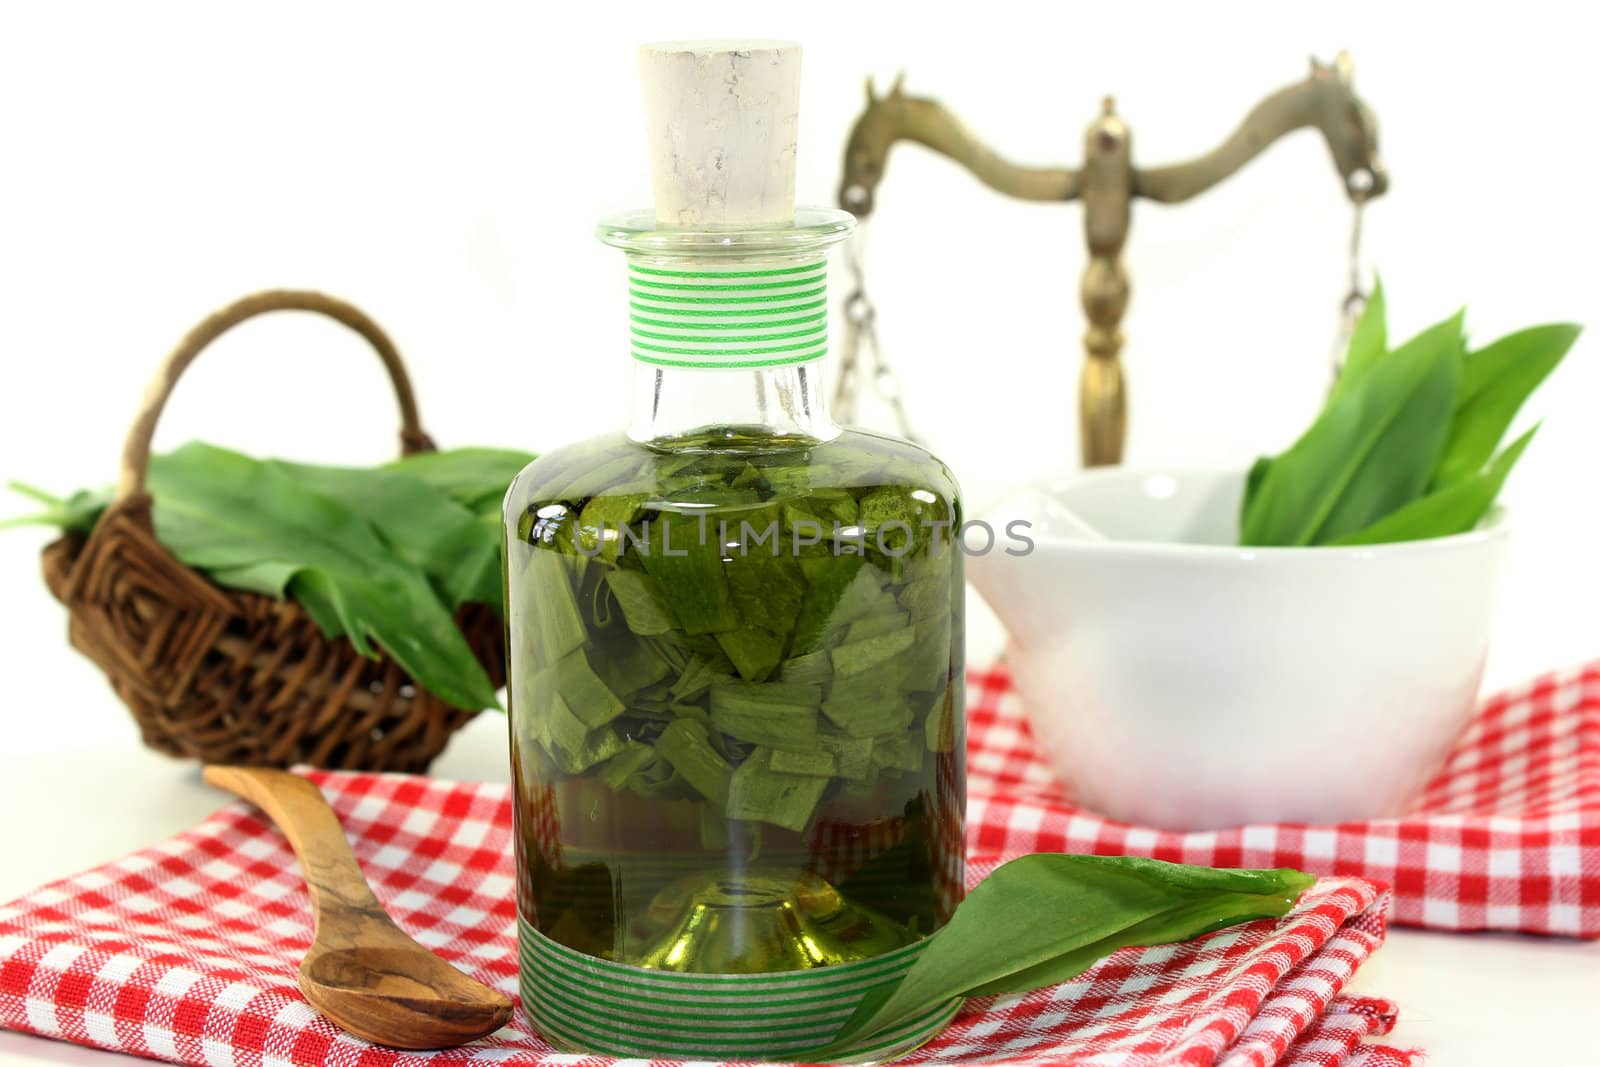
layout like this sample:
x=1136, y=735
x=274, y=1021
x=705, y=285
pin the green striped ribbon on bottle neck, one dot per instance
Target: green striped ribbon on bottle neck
x=745, y=315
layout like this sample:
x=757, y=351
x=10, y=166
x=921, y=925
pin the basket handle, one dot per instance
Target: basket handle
x=136, y=452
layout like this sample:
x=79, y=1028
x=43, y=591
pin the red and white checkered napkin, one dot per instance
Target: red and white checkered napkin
x=1506, y=837
x=187, y=952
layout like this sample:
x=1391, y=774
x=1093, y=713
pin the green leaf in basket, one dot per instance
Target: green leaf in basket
x=72, y=514
x=458, y=549
x=269, y=577
x=1454, y=509
x=1371, y=450
x=1495, y=381
x=1046, y=918
x=475, y=477
x=222, y=511
x=381, y=556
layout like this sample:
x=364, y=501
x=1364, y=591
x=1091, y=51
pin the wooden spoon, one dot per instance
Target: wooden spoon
x=362, y=971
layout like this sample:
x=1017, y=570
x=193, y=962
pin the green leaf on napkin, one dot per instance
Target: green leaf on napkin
x=1045, y=918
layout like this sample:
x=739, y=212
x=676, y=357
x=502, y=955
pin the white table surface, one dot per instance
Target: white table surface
x=1467, y=998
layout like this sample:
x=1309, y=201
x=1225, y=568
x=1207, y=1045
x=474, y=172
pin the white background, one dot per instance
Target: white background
x=443, y=167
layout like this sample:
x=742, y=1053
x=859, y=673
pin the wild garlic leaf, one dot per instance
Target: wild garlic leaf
x=380, y=556
x=1496, y=380
x=686, y=745
x=775, y=714
x=688, y=567
x=585, y=694
x=1398, y=464
x=644, y=606
x=1369, y=341
x=1361, y=464
x=475, y=477
x=1373, y=442
x=755, y=652
x=1454, y=509
x=72, y=514
x=549, y=584
x=760, y=791
x=739, y=637
x=1047, y=917
x=221, y=510
x=268, y=577
x=1252, y=484
x=423, y=524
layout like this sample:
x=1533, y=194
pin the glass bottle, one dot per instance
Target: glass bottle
x=736, y=678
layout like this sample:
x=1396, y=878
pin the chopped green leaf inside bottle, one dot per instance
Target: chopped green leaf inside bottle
x=737, y=655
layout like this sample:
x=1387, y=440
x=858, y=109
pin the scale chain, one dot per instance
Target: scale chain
x=861, y=317
x=1355, y=297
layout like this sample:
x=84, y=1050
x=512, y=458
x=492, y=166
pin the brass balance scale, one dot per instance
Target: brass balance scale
x=1107, y=183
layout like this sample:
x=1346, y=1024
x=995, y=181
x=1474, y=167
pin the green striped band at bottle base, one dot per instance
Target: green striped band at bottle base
x=585, y=1004
x=742, y=316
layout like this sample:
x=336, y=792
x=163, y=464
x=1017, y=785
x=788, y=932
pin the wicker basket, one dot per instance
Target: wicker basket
x=233, y=677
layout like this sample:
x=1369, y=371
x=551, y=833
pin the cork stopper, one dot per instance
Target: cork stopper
x=723, y=119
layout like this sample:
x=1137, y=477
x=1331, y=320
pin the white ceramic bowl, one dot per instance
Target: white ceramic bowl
x=1176, y=680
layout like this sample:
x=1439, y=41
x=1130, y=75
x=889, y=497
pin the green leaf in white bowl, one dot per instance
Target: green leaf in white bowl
x=1454, y=509
x=1495, y=381
x=1371, y=450
x=1404, y=447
